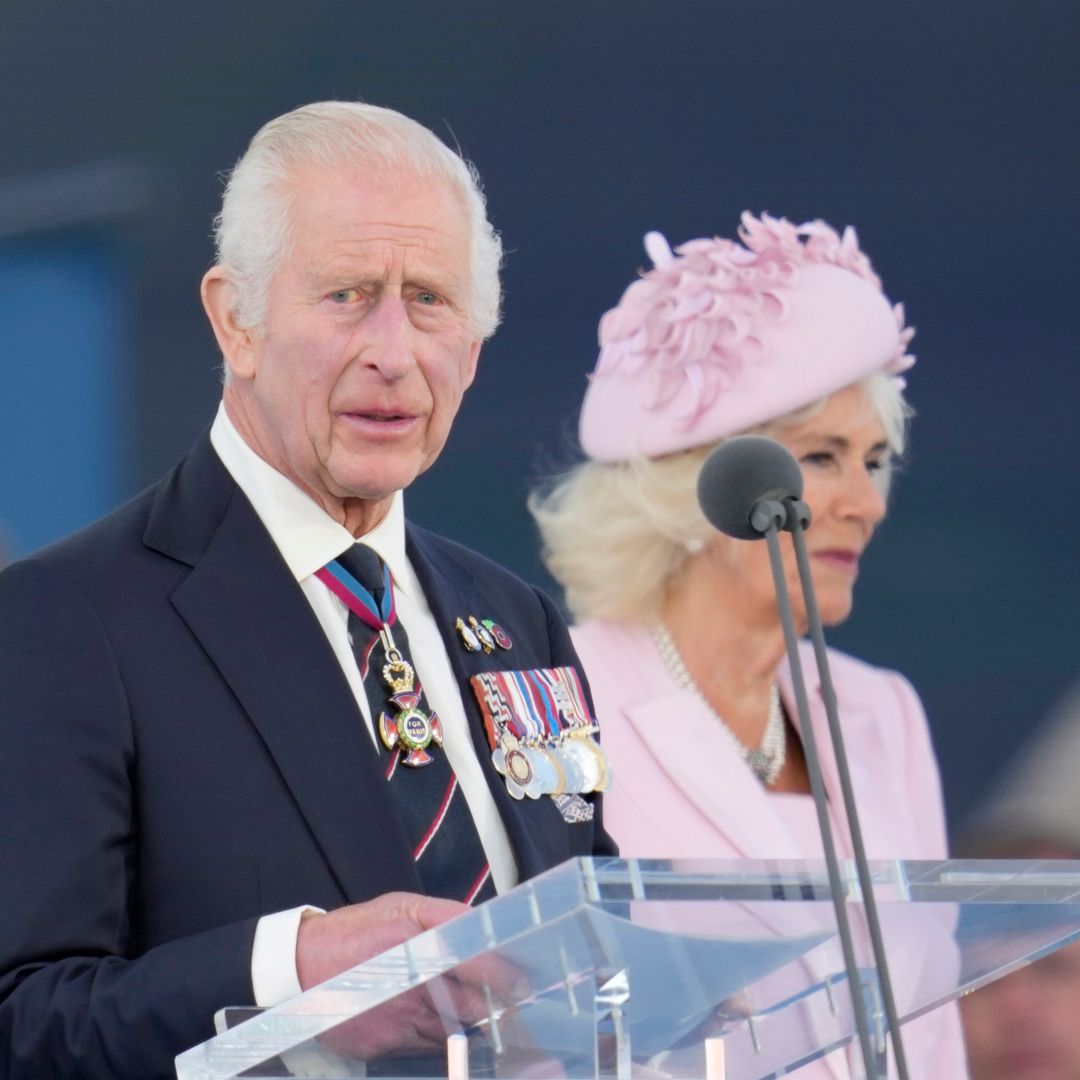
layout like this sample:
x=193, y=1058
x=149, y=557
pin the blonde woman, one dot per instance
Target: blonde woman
x=785, y=332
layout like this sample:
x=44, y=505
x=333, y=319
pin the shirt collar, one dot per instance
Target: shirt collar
x=305, y=534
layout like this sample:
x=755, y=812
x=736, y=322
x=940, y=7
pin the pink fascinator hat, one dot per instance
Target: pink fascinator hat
x=723, y=336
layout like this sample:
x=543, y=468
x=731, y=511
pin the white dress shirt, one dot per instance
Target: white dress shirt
x=308, y=538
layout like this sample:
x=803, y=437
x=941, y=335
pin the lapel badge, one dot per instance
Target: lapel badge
x=483, y=634
x=468, y=636
x=500, y=636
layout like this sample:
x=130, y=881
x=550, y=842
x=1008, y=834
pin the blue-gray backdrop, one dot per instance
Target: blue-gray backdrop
x=947, y=133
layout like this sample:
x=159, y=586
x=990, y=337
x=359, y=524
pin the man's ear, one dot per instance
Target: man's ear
x=236, y=342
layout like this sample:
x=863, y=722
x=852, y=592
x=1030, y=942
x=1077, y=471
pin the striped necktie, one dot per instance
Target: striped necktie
x=425, y=789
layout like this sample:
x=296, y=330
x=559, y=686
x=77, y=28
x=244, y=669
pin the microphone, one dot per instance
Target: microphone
x=751, y=487
x=744, y=484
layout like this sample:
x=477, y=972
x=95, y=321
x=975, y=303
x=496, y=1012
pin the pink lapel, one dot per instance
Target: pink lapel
x=687, y=745
x=858, y=729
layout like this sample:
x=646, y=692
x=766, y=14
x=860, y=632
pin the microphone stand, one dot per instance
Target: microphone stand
x=797, y=518
x=767, y=517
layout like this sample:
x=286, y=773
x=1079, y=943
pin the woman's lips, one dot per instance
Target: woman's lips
x=839, y=558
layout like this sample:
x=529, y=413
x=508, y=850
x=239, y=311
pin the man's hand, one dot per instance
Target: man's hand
x=418, y=1020
x=328, y=944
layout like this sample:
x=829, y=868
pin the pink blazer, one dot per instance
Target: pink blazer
x=680, y=790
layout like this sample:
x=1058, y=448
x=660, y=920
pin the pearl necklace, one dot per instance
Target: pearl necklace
x=768, y=759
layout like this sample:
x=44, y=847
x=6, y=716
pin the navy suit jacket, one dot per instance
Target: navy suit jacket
x=180, y=754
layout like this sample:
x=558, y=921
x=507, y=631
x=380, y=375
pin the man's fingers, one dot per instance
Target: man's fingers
x=427, y=912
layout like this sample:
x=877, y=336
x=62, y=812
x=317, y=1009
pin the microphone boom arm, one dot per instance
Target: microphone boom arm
x=796, y=524
x=791, y=640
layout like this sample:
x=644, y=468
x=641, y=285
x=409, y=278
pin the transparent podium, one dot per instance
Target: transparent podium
x=643, y=969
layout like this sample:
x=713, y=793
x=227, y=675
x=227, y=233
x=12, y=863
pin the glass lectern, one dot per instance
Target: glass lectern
x=623, y=969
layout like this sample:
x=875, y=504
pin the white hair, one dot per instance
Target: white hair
x=253, y=230
x=615, y=533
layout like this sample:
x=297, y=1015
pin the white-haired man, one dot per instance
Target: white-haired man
x=206, y=697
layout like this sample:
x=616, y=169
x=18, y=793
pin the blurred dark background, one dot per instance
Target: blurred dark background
x=949, y=134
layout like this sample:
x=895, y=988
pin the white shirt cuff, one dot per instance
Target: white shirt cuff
x=273, y=957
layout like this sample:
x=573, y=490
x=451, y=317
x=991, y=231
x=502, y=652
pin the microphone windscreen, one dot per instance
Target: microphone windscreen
x=738, y=475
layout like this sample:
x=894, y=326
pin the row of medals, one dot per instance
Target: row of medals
x=570, y=763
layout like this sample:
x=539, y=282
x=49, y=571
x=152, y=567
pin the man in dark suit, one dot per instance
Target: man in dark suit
x=197, y=783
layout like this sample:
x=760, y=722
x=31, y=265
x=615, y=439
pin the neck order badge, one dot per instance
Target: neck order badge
x=363, y=584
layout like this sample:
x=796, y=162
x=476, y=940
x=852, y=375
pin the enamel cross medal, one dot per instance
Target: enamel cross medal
x=413, y=730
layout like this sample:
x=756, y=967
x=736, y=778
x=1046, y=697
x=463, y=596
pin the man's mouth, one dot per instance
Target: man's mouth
x=381, y=421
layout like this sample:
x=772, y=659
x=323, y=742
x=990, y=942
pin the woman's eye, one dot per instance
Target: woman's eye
x=822, y=457
x=876, y=465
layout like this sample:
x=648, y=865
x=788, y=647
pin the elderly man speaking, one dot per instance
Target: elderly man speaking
x=246, y=720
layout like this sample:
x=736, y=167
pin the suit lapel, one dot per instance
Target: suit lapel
x=536, y=829
x=255, y=624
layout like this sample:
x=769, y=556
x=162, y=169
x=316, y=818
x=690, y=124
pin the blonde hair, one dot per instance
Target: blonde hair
x=614, y=534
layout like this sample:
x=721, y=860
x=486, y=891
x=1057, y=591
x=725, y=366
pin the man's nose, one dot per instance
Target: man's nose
x=388, y=347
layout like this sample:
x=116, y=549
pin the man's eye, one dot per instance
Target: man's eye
x=427, y=298
x=344, y=296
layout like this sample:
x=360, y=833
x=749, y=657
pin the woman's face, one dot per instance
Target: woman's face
x=842, y=451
